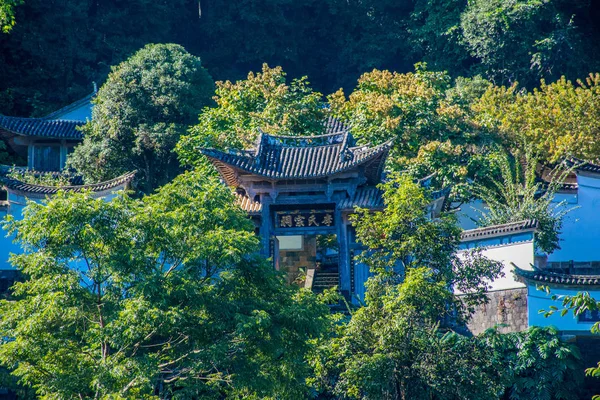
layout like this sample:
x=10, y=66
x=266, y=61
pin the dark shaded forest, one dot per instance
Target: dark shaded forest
x=59, y=47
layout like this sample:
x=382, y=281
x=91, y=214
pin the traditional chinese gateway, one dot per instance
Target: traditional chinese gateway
x=300, y=191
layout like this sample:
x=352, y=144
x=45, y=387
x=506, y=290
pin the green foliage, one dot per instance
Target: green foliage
x=7, y=14
x=580, y=303
x=558, y=119
x=536, y=364
x=429, y=121
x=44, y=68
x=40, y=178
x=388, y=105
x=331, y=41
x=393, y=347
x=153, y=298
x=139, y=115
x=264, y=101
x=434, y=29
x=403, y=236
x=521, y=40
x=518, y=195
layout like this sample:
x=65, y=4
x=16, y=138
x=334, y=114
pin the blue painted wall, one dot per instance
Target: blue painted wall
x=580, y=237
x=540, y=300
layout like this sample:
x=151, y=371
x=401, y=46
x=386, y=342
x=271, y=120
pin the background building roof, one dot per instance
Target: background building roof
x=41, y=127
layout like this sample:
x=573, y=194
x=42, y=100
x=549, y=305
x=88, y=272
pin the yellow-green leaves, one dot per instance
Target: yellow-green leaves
x=7, y=14
x=264, y=101
x=558, y=119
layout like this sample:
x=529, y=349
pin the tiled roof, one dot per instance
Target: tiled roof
x=40, y=190
x=549, y=277
x=369, y=197
x=40, y=127
x=70, y=107
x=334, y=125
x=547, y=174
x=498, y=230
x=581, y=165
x=302, y=157
x=74, y=180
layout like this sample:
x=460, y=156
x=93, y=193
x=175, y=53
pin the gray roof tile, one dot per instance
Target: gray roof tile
x=40, y=127
x=498, y=230
x=41, y=190
x=301, y=157
x=549, y=277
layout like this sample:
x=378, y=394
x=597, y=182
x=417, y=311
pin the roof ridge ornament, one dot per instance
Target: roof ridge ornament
x=259, y=145
x=345, y=153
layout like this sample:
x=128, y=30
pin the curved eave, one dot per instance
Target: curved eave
x=228, y=163
x=374, y=168
x=226, y=170
x=582, y=166
x=548, y=278
x=250, y=206
x=42, y=191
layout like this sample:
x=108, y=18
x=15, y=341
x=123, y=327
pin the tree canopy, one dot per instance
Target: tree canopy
x=153, y=298
x=557, y=120
x=333, y=42
x=7, y=14
x=139, y=115
x=264, y=101
x=403, y=342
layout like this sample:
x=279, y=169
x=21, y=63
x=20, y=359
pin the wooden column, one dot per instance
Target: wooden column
x=344, y=255
x=265, y=226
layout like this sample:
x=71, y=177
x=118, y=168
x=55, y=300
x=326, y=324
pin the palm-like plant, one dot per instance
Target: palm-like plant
x=519, y=195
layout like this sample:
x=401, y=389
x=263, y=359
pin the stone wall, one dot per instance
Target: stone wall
x=293, y=261
x=507, y=307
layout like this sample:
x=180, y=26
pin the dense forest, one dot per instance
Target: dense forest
x=174, y=301
x=56, y=49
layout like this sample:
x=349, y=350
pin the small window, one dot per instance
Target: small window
x=290, y=242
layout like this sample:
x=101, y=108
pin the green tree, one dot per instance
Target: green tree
x=558, y=120
x=44, y=68
x=139, y=115
x=153, y=298
x=434, y=29
x=523, y=40
x=536, y=364
x=578, y=304
x=264, y=102
x=397, y=346
x=392, y=348
x=7, y=14
x=429, y=119
x=518, y=195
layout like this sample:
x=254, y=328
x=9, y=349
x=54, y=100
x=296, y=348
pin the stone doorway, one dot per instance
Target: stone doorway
x=310, y=260
x=327, y=271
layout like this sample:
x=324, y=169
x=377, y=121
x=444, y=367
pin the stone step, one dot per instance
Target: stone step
x=326, y=280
